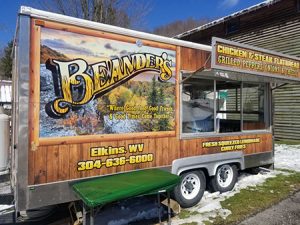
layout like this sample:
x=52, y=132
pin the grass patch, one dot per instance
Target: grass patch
x=192, y=223
x=285, y=170
x=253, y=200
x=186, y=214
x=207, y=222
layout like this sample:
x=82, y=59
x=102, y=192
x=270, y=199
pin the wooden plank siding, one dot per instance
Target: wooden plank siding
x=59, y=162
x=193, y=59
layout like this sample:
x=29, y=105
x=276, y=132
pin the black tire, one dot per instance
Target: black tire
x=190, y=189
x=220, y=181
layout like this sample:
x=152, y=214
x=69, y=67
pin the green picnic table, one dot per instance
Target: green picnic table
x=97, y=192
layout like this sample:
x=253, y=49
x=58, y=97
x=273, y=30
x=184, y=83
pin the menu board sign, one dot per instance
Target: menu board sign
x=233, y=56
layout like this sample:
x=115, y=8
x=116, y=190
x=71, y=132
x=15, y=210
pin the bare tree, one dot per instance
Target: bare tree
x=129, y=13
x=179, y=26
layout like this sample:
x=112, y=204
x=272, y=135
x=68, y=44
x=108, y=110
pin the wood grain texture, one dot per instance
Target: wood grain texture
x=31, y=170
x=34, y=160
x=174, y=149
x=34, y=86
x=106, y=137
x=194, y=59
x=75, y=156
x=177, y=94
x=254, y=126
x=40, y=166
x=63, y=163
x=122, y=167
x=59, y=162
x=52, y=163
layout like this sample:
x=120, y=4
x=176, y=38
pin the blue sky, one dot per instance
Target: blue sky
x=162, y=12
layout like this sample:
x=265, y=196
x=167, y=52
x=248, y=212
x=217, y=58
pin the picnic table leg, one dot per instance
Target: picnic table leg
x=92, y=219
x=84, y=215
x=169, y=208
x=158, y=201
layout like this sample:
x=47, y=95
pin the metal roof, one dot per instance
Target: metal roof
x=223, y=19
x=282, y=36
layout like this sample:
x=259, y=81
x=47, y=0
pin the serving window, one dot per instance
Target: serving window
x=254, y=106
x=198, y=106
x=228, y=118
x=221, y=105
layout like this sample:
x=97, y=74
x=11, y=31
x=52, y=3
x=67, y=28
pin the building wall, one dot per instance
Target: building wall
x=274, y=26
x=281, y=36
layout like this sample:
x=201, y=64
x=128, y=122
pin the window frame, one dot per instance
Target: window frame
x=183, y=135
x=267, y=112
x=267, y=108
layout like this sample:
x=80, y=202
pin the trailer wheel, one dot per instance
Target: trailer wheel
x=225, y=178
x=191, y=188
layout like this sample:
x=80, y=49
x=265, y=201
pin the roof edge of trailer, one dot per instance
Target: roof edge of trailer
x=25, y=10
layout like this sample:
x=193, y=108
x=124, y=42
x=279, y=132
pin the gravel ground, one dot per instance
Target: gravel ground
x=286, y=212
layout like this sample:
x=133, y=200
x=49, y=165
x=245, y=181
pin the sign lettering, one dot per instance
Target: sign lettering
x=97, y=79
x=233, y=56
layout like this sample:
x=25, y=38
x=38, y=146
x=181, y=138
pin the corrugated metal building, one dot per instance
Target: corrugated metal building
x=273, y=25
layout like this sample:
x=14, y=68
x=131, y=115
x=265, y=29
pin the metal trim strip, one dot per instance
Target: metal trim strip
x=22, y=104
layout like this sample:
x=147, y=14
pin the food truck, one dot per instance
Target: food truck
x=92, y=100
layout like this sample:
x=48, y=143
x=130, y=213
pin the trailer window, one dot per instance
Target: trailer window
x=223, y=106
x=228, y=118
x=254, y=108
x=198, y=106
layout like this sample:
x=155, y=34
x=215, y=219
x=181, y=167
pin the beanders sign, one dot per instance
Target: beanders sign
x=231, y=56
x=107, y=75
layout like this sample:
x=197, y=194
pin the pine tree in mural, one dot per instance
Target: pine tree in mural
x=152, y=99
x=163, y=124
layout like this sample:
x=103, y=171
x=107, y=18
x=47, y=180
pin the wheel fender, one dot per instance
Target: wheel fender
x=209, y=162
x=217, y=165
